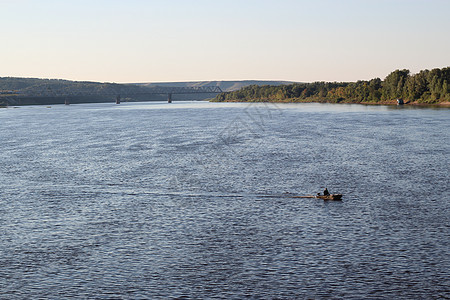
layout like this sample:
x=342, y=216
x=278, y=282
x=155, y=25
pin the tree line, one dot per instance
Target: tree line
x=11, y=85
x=427, y=86
x=35, y=91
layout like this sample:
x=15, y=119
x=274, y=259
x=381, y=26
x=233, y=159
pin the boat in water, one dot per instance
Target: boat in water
x=335, y=197
x=330, y=197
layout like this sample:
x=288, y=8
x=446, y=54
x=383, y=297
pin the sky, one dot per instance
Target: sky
x=192, y=40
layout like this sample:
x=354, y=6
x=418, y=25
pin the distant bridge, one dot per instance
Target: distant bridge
x=118, y=91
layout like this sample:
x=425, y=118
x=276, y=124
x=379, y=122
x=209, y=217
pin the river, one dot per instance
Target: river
x=185, y=200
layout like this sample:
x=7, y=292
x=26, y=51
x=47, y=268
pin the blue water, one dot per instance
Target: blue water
x=157, y=200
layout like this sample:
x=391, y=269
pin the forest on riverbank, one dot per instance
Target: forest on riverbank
x=427, y=87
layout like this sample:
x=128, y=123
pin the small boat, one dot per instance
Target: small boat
x=330, y=197
x=327, y=197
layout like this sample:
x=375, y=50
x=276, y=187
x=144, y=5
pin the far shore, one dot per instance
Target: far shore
x=392, y=102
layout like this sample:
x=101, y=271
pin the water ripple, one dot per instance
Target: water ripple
x=149, y=200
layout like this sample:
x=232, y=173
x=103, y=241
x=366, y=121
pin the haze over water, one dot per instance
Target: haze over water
x=157, y=200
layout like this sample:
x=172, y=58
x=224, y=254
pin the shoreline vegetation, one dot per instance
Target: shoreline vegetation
x=428, y=87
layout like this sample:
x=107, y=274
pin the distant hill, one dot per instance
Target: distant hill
x=36, y=84
x=38, y=91
x=226, y=86
x=45, y=91
x=16, y=83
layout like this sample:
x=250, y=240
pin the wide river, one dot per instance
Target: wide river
x=185, y=200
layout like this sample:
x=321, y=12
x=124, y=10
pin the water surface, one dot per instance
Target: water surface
x=157, y=200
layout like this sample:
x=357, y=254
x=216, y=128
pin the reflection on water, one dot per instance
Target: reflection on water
x=152, y=200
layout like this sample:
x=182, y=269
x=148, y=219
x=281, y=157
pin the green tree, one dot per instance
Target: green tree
x=393, y=84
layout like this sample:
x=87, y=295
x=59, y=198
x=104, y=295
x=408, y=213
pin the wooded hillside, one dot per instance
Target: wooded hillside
x=424, y=87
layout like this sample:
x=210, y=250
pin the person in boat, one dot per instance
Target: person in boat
x=325, y=192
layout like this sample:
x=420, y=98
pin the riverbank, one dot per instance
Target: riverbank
x=387, y=102
x=424, y=88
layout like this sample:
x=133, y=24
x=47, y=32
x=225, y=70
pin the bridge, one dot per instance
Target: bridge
x=115, y=90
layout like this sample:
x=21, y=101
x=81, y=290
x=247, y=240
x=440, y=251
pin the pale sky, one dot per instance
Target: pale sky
x=190, y=40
